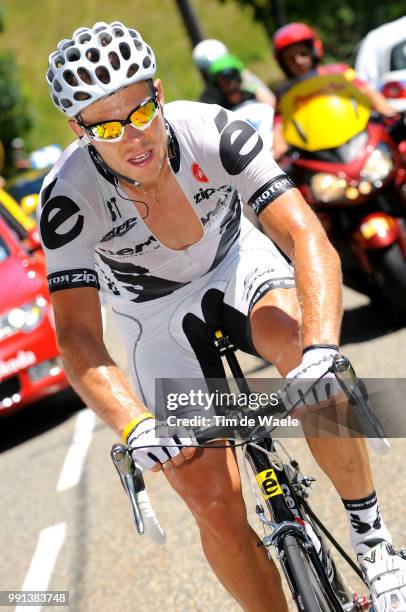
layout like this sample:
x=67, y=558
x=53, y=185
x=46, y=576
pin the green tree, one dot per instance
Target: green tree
x=15, y=119
x=340, y=23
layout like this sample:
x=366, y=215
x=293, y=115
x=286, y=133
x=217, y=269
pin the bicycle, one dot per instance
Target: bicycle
x=297, y=534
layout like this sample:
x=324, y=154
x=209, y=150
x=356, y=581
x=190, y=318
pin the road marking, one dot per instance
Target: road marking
x=76, y=455
x=49, y=543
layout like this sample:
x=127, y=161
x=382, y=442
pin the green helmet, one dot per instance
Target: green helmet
x=226, y=64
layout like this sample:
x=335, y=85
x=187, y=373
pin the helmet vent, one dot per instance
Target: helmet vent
x=133, y=69
x=93, y=55
x=57, y=86
x=114, y=60
x=69, y=78
x=118, y=32
x=85, y=76
x=100, y=29
x=66, y=103
x=125, y=50
x=84, y=38
x=65, y=45
x=59, y=61
x=50, y=75
x=133, y=33
x=55, y=99
x=138, y=44
x=103, y=74
x=81, y=95
x=148, y=50
x=105, y=39
x=147, y=62
x=73, y=54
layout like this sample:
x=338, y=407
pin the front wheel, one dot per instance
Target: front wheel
x=308, y=590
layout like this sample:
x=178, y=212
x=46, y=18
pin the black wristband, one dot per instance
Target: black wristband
x=334, y=347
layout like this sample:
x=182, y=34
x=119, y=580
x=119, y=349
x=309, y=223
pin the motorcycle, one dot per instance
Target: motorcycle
x=349, y=169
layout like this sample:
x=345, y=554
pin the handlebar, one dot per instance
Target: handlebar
x=131, y=474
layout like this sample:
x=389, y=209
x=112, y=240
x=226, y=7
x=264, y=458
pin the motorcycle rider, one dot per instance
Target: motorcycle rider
x=209, y=50
x=299, y=53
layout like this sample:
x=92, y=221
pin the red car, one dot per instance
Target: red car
x=30, y=364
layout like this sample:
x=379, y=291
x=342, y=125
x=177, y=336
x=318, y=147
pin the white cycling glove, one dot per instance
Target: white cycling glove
x=301, y=389
x=149, y=443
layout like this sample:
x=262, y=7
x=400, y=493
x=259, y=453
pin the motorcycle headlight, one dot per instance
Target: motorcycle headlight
x=25, y=318
x=379, y=164
x=328, y=187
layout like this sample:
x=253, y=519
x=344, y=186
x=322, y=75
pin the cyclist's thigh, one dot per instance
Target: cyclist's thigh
x=170, y=341
x=262, y=290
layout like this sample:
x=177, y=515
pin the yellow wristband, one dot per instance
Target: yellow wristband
x=133, y=424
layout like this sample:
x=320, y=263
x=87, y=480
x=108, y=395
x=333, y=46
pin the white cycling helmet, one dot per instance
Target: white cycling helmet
x=207, y=51
x=95, y=63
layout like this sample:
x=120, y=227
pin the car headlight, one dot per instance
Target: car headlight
x=379, y=164
x=328, y=187
x=24, y=318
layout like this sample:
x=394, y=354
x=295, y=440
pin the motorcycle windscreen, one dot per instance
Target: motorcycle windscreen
x=323, y=112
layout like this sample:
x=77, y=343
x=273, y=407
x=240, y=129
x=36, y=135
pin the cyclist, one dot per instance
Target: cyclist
x=145, y=208
x=209, y=50
x=299, y=53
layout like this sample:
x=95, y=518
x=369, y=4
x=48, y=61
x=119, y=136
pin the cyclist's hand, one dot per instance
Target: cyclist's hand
x=301, y=389
x=151, y=447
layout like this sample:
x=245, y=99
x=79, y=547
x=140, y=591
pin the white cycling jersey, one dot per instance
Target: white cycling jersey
x=166, y=303
x=94, y=236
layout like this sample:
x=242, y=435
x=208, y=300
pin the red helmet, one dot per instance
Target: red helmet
x=296, y=33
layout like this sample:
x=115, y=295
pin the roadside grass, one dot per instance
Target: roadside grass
x=33, y=28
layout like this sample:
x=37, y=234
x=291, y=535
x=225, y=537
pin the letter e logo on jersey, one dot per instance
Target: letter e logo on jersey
x=57, y=212
x=198, y=173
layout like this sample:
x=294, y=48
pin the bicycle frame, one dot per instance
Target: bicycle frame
x=278, y=490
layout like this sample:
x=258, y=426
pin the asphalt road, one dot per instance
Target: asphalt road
x=60, y=534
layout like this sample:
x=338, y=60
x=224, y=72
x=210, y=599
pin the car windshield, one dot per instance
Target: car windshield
x=4, y=252
x=398, y=56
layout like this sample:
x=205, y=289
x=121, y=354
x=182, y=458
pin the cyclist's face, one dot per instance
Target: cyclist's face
x=298, y=58
x=140, y=154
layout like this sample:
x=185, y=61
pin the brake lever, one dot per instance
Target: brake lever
x=131, y=479
x=352, y=385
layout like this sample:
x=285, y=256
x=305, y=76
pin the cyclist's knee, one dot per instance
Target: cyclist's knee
x=212, y=492
x=222, y=516
x=275, y=327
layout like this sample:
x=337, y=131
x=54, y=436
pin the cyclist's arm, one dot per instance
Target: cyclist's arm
x=88, y=365
x=290, y=222
x=378, y=101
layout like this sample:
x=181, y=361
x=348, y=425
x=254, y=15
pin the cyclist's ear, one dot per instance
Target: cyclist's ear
x=160, y=93
x=76, y=128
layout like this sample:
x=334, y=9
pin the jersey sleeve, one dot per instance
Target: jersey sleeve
x=246, y=163
x=68, y=232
